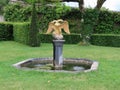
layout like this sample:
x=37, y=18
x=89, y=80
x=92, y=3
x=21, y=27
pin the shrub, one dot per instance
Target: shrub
x=21, y=32
x=6, y=31
x=2, y=4
x=17, y=12
x=33, y=33
x=106, y=40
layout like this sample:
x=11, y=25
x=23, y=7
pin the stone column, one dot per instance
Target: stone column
x=57, y=54
x=2, y=18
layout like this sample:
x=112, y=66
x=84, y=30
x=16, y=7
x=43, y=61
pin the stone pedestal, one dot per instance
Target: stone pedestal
x=57, y=54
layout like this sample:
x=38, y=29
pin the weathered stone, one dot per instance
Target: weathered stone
x=79, y=62
x=57, y=54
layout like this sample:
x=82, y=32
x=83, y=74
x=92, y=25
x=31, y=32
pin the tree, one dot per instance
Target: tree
x=85, y=34
x=2, y=4
x=34, y=31
x=99, y=4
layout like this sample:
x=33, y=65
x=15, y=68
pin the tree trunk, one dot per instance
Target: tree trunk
x=81, y=5
x=99, y=4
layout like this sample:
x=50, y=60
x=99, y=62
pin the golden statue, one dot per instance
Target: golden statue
x=56, y=26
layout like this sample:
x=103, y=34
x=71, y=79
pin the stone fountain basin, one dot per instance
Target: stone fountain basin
x=46, y=64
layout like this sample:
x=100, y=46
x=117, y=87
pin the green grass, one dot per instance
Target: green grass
x=107, y=77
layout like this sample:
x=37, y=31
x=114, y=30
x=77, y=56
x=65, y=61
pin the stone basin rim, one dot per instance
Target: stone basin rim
x=94, y=64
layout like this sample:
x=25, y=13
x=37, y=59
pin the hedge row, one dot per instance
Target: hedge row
x=105, y=40
x=69, y=39
x=96, y=39
x=6, y=31
x=21, y=32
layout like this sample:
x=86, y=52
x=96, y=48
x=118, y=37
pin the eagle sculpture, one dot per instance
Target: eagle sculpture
x=56, y=27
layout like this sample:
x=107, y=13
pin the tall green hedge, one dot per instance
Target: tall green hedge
x=6, y=31
x=46, y=13
x=34, y=30
x=108, y=21
x=21, y=32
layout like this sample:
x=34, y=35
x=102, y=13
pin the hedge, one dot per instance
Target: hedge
x=21, y=32
x=6, y=31
x=69, y=39
x=106, y=40
x=96, y=39
x=108, y=21
x=17, y=13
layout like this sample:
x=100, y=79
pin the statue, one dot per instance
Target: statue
x=56, y=26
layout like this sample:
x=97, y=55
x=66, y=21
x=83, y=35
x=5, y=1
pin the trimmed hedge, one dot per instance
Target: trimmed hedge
x=21, y=32
x=96, y=39
x=105, y=40
x=34, y=30
x=6, y=31
x=69, y=39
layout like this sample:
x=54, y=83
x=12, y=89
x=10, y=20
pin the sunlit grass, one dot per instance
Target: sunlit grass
x=105, y=78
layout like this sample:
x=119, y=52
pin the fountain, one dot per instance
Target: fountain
x=58, y=63
x=57, y=54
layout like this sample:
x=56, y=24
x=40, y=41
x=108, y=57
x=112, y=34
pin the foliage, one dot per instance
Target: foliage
x=6, y=31
x=2, y=4
x=85, y=28
x=30, y=1
x=33, y=1
x=90, y=16
x=108, y=21
x=17, y=12
x=33, y=33
x=46, y=13
x=69, y=39
x=41, y=1
x=21, y=32
x=49, y=13
x=96, y=39
x=106, y=40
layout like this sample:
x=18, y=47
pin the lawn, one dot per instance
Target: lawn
x=107, y=77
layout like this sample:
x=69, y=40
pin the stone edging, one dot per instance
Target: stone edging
x=94, y=65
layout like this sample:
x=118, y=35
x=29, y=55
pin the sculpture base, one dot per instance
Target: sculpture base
x=57, y=54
